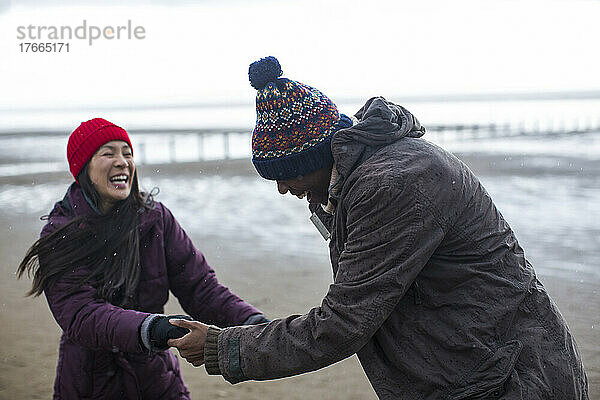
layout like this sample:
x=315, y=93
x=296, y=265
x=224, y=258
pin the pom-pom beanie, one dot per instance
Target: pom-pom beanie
x=294, y=124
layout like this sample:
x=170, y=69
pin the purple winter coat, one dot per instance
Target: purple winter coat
x=100, y=353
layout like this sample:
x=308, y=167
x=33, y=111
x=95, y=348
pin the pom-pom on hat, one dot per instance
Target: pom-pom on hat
x=294, y=124
x=87, y=139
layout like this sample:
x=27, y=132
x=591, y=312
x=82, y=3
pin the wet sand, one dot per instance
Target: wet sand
x=30, y=335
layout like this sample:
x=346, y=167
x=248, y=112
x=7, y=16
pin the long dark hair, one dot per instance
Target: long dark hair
x=108, y=244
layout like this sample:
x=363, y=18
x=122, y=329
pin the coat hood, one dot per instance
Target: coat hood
x=380, y=123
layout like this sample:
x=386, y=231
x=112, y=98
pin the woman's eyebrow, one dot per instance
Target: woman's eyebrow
x=114, y=147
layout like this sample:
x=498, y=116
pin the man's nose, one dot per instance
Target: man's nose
x=282, y=187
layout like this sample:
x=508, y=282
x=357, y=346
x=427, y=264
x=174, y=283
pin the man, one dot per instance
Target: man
x=431, y=288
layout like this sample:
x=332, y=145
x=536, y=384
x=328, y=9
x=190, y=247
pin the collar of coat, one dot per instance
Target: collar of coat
x=334, y=190
x=75, y=204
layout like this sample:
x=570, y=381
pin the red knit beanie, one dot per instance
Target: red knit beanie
x=87, y=138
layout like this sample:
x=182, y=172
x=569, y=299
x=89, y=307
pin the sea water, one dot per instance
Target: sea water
x=554, y=211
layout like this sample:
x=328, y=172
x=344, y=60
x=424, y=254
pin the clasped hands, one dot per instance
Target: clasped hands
x=189, y=337
x=190, y=346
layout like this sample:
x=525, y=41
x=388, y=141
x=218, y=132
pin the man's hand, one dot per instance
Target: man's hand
x=191, y=346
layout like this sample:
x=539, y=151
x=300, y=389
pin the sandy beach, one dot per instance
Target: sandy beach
x=30, y=334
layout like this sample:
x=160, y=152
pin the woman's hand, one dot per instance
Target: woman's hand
x=160, y=330
x=191, y=346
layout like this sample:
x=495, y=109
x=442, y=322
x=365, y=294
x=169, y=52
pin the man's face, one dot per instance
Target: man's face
x=314, y=186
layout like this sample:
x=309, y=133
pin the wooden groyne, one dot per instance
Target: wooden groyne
x=442, y=133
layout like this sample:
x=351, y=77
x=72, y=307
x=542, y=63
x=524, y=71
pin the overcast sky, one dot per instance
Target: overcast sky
x=200, y=52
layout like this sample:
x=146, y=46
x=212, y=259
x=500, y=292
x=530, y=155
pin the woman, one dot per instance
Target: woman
x=106, y=261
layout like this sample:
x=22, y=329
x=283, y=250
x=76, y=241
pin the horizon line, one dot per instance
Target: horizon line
x=436, y=98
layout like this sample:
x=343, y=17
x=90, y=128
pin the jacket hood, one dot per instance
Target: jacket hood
x=79, y=203
x=380, y=123
x=72, y=205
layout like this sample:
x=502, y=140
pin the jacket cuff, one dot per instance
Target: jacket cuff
x=256, y=319
x=211, y=351
x=146, y=328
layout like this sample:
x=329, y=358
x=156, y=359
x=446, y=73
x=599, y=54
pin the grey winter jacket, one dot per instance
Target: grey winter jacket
x=431, y=288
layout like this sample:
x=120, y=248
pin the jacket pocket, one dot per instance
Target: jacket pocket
x=487, y=380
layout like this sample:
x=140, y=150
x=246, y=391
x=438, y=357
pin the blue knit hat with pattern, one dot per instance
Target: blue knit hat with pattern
x=294, y=124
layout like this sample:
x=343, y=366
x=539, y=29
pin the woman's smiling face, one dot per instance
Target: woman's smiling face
x=111, y=171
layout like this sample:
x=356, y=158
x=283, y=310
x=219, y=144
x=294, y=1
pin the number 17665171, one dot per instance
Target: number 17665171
x=44, y=47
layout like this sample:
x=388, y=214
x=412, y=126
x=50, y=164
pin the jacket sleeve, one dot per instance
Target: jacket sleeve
x=92, y=322
x=195, y=284
x=390, y=236
x=85, y=319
